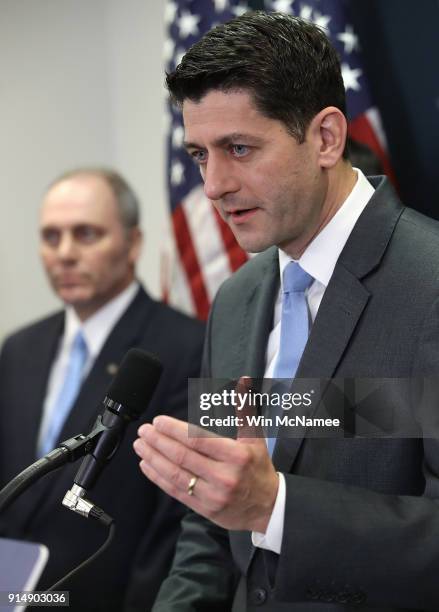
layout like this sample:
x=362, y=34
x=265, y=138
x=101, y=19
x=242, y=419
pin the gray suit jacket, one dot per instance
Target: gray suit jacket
x=361, y=520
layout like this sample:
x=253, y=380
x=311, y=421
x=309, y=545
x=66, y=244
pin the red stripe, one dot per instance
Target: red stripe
x=190, y=262
x=237, y=257
x=361, y=129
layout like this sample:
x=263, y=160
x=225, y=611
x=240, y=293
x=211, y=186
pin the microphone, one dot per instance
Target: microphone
x=127, y=397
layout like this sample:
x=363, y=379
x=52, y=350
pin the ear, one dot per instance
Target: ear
x=329, y=131
x=135, y=244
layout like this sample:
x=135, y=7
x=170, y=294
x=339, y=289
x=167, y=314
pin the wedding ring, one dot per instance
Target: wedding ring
x=191, y=485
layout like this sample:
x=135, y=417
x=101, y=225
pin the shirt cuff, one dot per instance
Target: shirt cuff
x=272, y=538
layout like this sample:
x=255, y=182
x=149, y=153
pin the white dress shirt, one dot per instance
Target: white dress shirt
x=96, y=330
x=319, y=260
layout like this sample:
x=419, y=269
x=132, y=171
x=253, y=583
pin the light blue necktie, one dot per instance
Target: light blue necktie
x=294, y=326
x=68, y=394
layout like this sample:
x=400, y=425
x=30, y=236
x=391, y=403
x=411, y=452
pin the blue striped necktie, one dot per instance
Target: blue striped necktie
x=294, y=326
x=68, y=394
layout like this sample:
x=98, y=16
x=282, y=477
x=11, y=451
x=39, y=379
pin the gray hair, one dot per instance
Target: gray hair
x=126, y=199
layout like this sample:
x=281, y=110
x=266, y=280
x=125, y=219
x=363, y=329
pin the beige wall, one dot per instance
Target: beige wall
x=80, y=83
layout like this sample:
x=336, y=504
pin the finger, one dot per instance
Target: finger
x=192, y=501
x=211, y=445
x=176, y=477
x=249, y=428
x=178, y=453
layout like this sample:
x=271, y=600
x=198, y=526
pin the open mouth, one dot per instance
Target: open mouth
x=242, y=215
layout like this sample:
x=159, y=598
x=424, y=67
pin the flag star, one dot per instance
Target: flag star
x=306, y=12
x=350, y=77
x=177, y=136
x=239, y=9
x=282, y=6
x=349, y=39
x=170, y=11
x=188, y=24
x=221, y=5
x=168, y=49
x=179, y=55
x=177, y=173
x=321, y=20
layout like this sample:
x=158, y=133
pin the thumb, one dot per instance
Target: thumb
x=249, y=428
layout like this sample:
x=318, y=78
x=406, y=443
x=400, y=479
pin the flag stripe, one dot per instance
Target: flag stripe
x=206, y=240
x=190, y=262
x=237, y=257
x=362, y=130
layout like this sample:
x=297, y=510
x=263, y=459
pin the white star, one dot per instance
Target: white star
x=349, y=39
x=350, y=77
x=321, y=20
x=177, y=136
x=170, y=11
x=168, y=49
x=177, y=173
x=282, y=6
x=220, y=5
x=188, y=24
x=179, y=55
x=239, y=9
x=306, y=12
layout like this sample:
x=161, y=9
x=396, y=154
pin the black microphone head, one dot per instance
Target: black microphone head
x=134, y=384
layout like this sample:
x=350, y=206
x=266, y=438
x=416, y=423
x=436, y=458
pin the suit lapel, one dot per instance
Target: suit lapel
x=124, y=335
x=343, y=303
x=258, y=319
x=88, y=404
x=342, y=306
x=36, y=369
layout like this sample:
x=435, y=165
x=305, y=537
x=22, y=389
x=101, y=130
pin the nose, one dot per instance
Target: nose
x=67, y=246
x=219, y=178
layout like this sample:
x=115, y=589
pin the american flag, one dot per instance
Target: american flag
x=202, y=252
x=333, y=16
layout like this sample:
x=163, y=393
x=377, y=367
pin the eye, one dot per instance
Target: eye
x=50, y=236
x=240, y=150
x=199, y=156
x=87, y=234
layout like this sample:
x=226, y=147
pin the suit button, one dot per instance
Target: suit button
x=258, y=596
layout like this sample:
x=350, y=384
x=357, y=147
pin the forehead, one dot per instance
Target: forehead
x=80, y=199
x=220, y=113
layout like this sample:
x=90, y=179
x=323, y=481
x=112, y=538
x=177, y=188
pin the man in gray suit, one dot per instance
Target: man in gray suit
x=325, y=523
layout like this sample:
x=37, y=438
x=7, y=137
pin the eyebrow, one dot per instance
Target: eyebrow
x=227, y=139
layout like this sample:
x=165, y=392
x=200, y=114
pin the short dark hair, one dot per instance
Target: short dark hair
x=288, y=65
x=126, y=199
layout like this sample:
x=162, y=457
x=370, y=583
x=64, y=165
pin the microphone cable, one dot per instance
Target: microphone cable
x=88, y=560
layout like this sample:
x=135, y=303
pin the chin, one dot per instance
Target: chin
x=253, y=246
x=74, y=299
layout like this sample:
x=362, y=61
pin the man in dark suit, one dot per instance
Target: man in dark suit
x=347, y=287
x=90, y=242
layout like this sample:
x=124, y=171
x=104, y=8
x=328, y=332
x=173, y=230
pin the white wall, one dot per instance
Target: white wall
x=80, y=83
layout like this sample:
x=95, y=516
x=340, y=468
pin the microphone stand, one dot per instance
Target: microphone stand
x=68, y=451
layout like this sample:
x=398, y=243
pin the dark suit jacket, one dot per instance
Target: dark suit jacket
x=361, y=519
x=147, y=521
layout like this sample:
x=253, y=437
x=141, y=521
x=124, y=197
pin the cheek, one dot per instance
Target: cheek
x=47, y=260
x=106, y=264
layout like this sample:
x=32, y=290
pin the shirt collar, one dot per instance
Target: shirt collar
x=97, y=328
x=321, y=255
